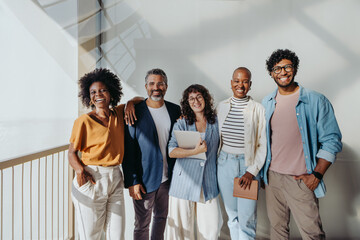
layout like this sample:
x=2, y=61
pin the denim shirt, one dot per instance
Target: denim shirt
x=190, y=175
x=320, y=133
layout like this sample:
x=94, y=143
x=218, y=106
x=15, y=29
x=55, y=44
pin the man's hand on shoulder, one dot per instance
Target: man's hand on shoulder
x=135, y=191
x=129, y=113
x=309, y=179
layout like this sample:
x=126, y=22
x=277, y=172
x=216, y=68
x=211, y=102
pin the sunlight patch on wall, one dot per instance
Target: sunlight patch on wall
x=40, y=59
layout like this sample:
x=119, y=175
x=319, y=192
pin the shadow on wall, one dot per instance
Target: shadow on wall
x=339, y=209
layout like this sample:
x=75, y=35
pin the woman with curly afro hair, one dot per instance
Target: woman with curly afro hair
x=194, y=190
x=97, y=190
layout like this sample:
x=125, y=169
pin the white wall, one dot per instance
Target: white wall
x=203, y=41
x=38, y=79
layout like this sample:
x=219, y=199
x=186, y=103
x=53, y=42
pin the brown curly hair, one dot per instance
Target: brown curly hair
x=209, y=110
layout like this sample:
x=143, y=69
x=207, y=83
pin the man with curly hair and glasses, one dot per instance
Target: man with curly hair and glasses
x=303, y=140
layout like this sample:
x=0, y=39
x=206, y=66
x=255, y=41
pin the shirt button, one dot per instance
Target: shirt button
x=202, y=164
x=297, y=114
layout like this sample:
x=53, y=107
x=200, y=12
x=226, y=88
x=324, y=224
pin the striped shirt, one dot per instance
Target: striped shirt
x=232, y=132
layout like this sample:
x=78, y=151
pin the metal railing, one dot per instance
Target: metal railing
x=35, y=200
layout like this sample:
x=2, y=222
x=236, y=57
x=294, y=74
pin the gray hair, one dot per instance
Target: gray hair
x=156, y=71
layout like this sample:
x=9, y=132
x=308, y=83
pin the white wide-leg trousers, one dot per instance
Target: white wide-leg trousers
x=100, y=207
x=188, y=219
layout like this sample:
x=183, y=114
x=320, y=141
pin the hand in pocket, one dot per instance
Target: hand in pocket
x=84, y=177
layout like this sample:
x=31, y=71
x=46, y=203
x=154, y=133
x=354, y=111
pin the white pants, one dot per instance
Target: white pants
x=184, y=214
x=100, y=207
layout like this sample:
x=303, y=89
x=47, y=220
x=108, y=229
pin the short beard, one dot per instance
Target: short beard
x=156, y=99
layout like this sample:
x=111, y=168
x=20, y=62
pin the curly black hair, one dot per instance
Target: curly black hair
x=111, y=81
x=209, y=110
x=279, y=55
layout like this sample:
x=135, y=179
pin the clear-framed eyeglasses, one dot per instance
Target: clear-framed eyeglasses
x=198, y=97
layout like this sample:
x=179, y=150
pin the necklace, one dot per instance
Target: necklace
x=105, y=113
x=103, y=120
x=98, y=116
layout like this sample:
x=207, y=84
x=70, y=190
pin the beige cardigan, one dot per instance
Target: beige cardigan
x=255, y=135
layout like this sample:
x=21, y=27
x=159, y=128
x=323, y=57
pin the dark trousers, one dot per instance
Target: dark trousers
x=157, y=203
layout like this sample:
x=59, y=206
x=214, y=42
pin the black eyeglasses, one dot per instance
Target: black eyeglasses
x=287, y=68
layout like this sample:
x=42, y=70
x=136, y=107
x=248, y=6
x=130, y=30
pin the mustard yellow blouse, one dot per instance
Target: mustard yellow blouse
x=100, y=145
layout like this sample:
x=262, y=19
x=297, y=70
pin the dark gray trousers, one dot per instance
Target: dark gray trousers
x=152, y=203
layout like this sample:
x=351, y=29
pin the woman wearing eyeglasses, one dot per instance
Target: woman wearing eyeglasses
x=242, y=152
x=194, y=190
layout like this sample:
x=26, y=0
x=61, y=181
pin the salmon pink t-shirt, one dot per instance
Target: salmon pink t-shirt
x=287, y=152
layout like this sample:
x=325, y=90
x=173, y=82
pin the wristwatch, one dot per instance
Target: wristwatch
x=317, y=175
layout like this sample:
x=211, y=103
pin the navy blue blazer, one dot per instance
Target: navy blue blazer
x=143, y=161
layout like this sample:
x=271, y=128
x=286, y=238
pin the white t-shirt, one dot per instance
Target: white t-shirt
x=163, y=123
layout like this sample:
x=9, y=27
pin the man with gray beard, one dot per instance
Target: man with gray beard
x=147, y=166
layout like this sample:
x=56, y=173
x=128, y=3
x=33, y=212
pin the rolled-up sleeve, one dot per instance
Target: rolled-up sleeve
x=329, y=135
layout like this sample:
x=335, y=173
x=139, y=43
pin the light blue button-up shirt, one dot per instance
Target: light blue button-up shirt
x=320, y=133
x=190, y=175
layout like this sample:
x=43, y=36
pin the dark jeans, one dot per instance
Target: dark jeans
x=157, y=203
